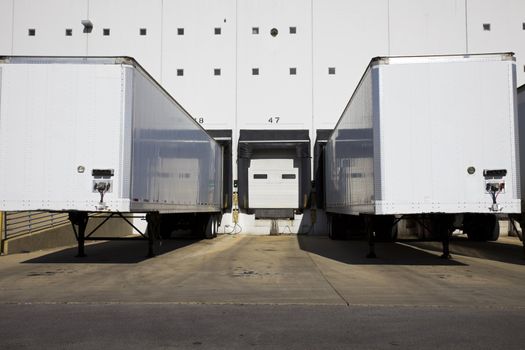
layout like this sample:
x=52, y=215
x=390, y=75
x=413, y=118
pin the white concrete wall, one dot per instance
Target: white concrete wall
x=124, y=19
x=6, y=26
x=50, y=19
x=427, y=27
x=274, y=92
x=346, y=35
x=506, y=19
x=198, y=52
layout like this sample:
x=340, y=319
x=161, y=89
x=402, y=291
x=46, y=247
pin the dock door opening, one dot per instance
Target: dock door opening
x=274, y=171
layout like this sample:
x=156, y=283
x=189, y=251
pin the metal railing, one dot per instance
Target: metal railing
x=21, y=223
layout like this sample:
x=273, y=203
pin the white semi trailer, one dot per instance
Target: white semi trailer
x=100, y=135
x=431, y=138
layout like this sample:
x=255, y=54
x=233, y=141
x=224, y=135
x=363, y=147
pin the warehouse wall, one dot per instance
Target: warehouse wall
x=6, y=26
x=211, y=73
x=347, y=34
x=124, y=19
x=49, y=20
x=506, y=19
x=198, y=52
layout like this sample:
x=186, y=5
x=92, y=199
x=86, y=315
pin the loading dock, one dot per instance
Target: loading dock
x=273, y=172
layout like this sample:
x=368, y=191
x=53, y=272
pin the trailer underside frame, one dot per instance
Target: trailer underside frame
x=79, y=221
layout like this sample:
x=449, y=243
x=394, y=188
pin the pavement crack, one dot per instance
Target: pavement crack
x=327, y=280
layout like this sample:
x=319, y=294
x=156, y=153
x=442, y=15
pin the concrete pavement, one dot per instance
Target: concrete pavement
x=276, y=290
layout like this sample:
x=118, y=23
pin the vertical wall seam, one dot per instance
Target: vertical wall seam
x=388, y=25
x=312, y=65
x=87, y=34
x=235, y=131
x=161, y=77
x=466, y=26
x=12, y=26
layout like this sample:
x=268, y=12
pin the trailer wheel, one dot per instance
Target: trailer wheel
x=215, y=225
x=491, y=228
x=494, y=234
x=481, y=227
x=209, y=226
x=385, y=228
x=334, y=227
x=168, y=224
x=329, y=219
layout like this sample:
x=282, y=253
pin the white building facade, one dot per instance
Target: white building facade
x=262, y=64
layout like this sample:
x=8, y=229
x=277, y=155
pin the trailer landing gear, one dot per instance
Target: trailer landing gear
x=521, y=220
x=153, y=231
x=79, y=221
x=441, y=225
x=371, y=239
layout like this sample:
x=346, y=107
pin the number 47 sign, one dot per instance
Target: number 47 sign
x=274, y=120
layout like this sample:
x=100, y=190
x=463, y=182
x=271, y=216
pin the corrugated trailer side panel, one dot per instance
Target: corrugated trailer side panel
x=55, y=120
x=176, y=165
x=438, y=118
x=349, y=180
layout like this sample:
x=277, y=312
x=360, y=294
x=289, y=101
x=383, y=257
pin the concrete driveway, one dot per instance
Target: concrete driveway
x=265, y=287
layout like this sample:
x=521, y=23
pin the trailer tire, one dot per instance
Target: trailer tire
x=492, y=228
x=329, y=219
x=215, y=227
x=168, y=224
x=481, y=227
x=207, y=226
x=334, y=227
x=216, y=220
x=385, y=228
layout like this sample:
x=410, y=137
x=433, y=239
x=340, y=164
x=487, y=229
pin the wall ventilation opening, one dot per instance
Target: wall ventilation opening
x=255, y=71
x=143, y=31
x=69, y=32
x=180, y=31
x=293, y=71
x=486, y=26
x=217, y=71
x=523, y=25
x=180, y=72
x=274, y=32
x=331, y=70
x=255, y=30
x=31, y=32
x=293, y=30
x=105, y=31
x=217, y=31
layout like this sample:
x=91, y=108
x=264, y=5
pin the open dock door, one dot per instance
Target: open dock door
x=274, y=172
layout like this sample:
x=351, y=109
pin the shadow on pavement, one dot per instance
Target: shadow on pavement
x=112, y=252
x=496, y=251
x=355, y=251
